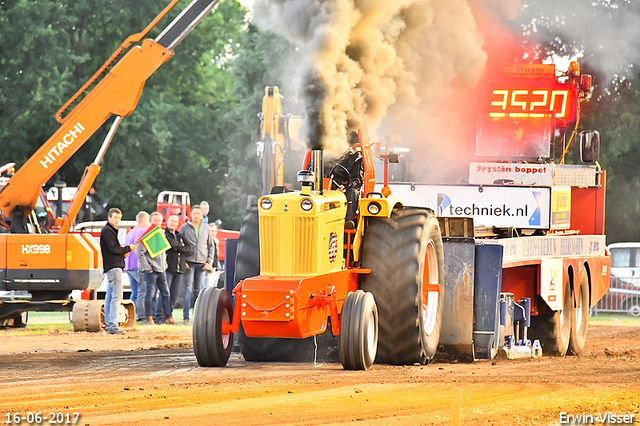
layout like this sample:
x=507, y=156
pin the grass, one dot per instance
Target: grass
x=56, y=318
x=42, y=323
x=614, y=319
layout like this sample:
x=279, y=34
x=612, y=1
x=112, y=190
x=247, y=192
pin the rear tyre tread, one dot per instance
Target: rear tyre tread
x=577, y=339
x=394, y=249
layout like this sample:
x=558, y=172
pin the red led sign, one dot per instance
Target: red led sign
x=534, y=102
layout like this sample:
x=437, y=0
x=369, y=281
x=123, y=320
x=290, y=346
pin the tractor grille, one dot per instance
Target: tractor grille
x=282, y=256
x=268, y=245
x=304, y=253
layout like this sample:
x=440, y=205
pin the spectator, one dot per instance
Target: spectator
x=113, y=255
x=212, y=276
x=176, y=259
x=153, y=275
x=205, y=211
x=197, y=236
x=132, y=265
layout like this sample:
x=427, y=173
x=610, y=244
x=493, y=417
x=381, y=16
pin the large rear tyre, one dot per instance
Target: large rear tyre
x=358, y=340
x=248, y=251
x=554, y=330
x=211, y=346
x=406, y=259
x=580, y=318
x=262, y=349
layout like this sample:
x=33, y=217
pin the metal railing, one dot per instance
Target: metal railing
x=623, y=297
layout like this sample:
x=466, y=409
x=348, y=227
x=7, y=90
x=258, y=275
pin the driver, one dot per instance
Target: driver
x=347, y=175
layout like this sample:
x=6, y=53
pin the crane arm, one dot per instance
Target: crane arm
x=275, y=139
x=116, y=94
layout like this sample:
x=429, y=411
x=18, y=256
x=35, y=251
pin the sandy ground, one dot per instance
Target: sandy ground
x=150, y=376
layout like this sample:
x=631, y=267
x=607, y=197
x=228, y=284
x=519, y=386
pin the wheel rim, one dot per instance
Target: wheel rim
x=226, y=337
x=371, y=335
x=430, y=290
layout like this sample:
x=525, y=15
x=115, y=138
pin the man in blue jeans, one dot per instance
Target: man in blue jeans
x=153, y=275
x=197, y=236
x=113, y=255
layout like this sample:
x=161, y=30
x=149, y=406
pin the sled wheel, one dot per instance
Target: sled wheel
x=554, y=330
x=580, y=317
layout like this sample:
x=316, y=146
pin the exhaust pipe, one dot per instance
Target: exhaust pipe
x=318, y=170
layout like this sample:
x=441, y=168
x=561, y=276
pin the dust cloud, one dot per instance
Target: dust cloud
x=404, y=67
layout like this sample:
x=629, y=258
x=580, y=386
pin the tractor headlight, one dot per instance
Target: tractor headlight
x=266, y=203
x=373, y=208
x=306, y=204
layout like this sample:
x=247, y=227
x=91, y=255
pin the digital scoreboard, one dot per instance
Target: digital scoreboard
x=521, y=113
x=534, y=102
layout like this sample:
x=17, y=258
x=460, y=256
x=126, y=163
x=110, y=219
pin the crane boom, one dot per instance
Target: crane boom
x=116, y=94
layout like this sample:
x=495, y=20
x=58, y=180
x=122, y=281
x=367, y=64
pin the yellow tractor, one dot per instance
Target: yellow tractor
x=378, y=287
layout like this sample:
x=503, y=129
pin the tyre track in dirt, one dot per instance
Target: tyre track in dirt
x=164, y=385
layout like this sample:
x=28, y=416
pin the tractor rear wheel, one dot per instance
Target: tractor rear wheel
x=248, y=251
x=554, y=330
x=405, y=255
x=358, y=340
x=262, y=349
x=210, y=344
x=580, y=317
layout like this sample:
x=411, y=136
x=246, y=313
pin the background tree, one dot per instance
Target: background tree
x=177, y=138
x=604, y=35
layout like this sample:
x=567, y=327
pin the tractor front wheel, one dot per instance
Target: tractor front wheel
x=211, y=345
x=358, y=340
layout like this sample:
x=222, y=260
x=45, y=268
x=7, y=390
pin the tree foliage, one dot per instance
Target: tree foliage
x=603, y=35
x=189, y=126
x=195, y=125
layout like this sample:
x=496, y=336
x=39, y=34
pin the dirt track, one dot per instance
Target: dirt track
x=150, y=376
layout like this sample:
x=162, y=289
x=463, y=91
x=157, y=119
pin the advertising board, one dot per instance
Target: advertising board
x=492, y=206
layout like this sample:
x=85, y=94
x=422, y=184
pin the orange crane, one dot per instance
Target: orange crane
x=50, y=266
